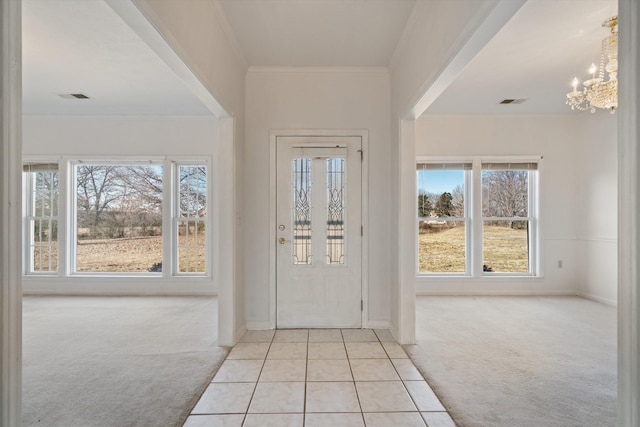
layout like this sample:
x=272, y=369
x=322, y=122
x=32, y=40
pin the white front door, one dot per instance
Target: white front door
x=318, y=236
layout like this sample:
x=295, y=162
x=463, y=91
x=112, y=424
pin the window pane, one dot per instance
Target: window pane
x=119, y=218
x=43, y=221
x=442, y=247
x=44, y=247
x=506, y=246
x=441, y=193
x=192, y=247
x=505, y=193
x=301, y=211
x=336, y=214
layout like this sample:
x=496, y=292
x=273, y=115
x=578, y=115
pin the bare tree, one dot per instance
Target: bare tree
x=97, y=189
x=117, y=200
x=505, y=194
x=457, y=195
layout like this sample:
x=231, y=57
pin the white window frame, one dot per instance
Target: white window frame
x=175, y=218
x=532, y=218
x=474, y=220
x=466, y=220
x=29, y=215
x=67, y=227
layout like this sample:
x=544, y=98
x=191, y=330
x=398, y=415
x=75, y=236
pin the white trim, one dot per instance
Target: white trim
x=230, y=302
x=628, y=218
x=221, y=17
x=489, y=26
x=323, y=70
x=363, y=134
x=493, y=292
x=11, y=214
x=377, y=324
x=259, y=326
x=606, y=301
x=94, y=286
x=403, y=292
x=133, y=16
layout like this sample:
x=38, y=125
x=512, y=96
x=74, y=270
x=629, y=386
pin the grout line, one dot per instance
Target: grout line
x=353, y=380
x=264, y=361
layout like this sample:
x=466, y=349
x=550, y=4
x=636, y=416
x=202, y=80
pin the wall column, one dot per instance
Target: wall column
x=629, y=216
x=10, y=213
x=406, y=322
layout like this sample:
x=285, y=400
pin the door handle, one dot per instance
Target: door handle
x=281, y=240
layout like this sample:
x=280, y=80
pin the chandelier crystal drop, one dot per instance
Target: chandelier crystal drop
x=597, y=92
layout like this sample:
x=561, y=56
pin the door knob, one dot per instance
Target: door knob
x=281, y=240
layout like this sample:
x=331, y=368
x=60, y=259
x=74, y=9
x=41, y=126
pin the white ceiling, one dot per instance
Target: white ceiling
x=83, y=46
x=317, y=33
x=533, y=57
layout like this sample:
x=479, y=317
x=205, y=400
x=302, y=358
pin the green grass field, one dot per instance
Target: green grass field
x=442, y=251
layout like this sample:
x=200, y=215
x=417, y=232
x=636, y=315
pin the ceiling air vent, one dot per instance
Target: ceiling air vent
x=512, y=101
x=73, y=96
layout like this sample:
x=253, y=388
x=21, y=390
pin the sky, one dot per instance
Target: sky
x=439, y=181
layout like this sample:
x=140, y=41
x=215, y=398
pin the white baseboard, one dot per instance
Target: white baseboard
x=595, y=298
x=501, y=292
x=259, y=326
x=92, y=286
x=377, y=324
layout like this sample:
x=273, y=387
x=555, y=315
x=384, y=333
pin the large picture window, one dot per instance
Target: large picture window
x=130, y=217
x=118, y=217
x=477, y=217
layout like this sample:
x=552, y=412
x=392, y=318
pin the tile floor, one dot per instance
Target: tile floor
x=316, y=378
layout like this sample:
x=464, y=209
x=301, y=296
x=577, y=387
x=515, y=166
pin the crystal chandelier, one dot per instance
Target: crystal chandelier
x=596, y=92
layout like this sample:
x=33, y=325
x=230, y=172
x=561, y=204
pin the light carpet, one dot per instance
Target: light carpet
x=519, y=361
x=116, y=361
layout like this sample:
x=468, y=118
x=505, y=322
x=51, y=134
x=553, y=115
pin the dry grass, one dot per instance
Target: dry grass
x=442, y=251
x=126, y=255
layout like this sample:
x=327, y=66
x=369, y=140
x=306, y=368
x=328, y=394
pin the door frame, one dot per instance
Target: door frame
x=363, y=134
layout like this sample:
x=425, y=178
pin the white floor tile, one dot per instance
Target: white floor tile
x=373, y=370
x=384, y=396
x=384, y=335
x=404, y=419
x=359, y=335
x=407, y=370
x=394, y=350
x=365, y=350
x=283, y=370
x=249, y=351
x=238, y=371
x=334, y=420
x=291, y=335
x=329, y=370
x=325, y=335
x=278, y=398
x=330, y=350
x=332, y=397
x=225, y=398
x=274, y=420
x=288, y=350
x=438, y=419
x=334, y=375
x=257, y=336
x=423, y=396
x=234, y=420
